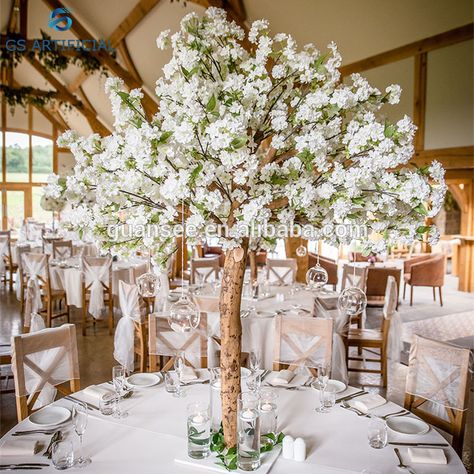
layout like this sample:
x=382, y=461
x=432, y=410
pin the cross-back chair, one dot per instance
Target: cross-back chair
x=97, y=291
x=204, y=270
x=62, y=249
x=302, y=342
x=437, y=386
x=281, y=271
x=7, y=266
x=44, y=358
x=20, y=278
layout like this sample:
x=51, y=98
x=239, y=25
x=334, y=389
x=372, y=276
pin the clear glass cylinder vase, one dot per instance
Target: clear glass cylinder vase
x=248, y=432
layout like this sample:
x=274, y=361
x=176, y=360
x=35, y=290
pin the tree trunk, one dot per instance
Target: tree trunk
x=231, y=334
x=253, y=265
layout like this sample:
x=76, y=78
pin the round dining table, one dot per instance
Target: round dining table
x=152, y=439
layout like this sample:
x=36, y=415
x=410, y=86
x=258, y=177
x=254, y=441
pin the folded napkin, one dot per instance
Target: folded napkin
x=97, y=391
x=368, y=402
x=287, y=378
x=188, y=375
x=427, y=455
x=22, y=447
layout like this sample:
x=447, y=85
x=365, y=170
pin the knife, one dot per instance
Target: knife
x=76, y=400
x=395, y=443
x=351, y=396
x=30, y=464
x=21, y=468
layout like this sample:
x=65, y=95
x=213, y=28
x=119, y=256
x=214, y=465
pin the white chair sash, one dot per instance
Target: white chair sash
x=95, y=275
x=124, y=339
x=3, y=252
x=34, y=265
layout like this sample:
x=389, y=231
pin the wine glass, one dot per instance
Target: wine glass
x=254, y=361
x=118, y=377
x=178, y=367
x=323, y=377
x=79, y=420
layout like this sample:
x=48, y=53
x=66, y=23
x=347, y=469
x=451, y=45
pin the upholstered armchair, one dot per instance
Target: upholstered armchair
x=416, y=259
x=328, y=264
x=427, y=272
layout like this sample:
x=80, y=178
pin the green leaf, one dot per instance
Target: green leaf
x=238, y=142
x=194, y=173
x=423, y=228
x=358, y=200
x=164, y=137
x=421, y=209
x=211, y=104
x=390, y=130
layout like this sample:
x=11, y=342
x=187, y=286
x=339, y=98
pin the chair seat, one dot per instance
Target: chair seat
x=356, y=334
x=407, y=277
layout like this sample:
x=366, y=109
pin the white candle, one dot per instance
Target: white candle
x=266, y=407
x=299, y=450
x=198, y=419
x=247, y=414
x=287, y=447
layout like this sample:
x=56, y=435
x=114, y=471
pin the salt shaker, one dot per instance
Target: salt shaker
x=287, y=447
x=299, y=450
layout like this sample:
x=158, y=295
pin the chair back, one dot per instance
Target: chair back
x=44, y=358
x=62, y=249
x=302, y=341
x=429, y=272
x=204, y=270
x=437, y=386
x=133, y=310
x=377, y=280
x=163, y=341
x=281, y=271
x=353, y=275
x=34, y=230
x=97, y=280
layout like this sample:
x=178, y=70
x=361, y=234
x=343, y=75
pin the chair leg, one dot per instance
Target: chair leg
x=411, y=295
x=111, y=317
x=404, y=288
x=434, y=293
x=68, y=309
x=440, y=297
x=11, y=279
x=84, y=318
x=49, y=312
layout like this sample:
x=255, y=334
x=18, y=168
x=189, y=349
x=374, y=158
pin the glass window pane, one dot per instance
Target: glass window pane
x=15, y=209
x=38, y=212
x=42, y=149
x=17, y=157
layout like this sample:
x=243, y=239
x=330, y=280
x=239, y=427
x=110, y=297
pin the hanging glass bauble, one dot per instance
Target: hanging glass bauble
x=301, y=251
x=316, y=277
x=184, y=315
x=148, y=284
x=352, y=301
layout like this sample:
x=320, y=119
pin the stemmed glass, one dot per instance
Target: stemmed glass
x=254, y=361
x=323, y=377
x=118, y=377
x=79, y=419
x=178, y=367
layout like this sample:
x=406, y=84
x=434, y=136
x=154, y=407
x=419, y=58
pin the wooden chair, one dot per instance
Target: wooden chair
x=133, y=307
x=35, y=271
x=428, y=272
x=164, y=343
x=302, y=342
x=6, y=256
x=204, y=270
x=281, y=271
x=97, y=273
x=62, y=249
x=377, y=283
x=375, y=338
x=58, y=367
x=437, y=386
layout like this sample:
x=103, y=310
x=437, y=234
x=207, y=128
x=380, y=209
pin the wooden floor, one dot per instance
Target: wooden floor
x=96, y=349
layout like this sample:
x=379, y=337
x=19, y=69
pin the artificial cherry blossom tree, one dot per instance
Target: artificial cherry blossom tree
x=245, y=138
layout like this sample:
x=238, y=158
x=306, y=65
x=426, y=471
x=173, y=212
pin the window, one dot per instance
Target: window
x=42, y=158
x=17, y=157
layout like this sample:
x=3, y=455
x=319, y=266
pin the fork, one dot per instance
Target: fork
x=401, y=465
x=345, y=405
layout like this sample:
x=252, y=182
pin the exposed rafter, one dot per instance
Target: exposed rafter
x=81, y=32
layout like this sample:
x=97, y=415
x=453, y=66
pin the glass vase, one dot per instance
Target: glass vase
x=248, y=432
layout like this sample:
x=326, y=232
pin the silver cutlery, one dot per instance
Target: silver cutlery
x=401, y=465
x=21, y=468
x=25, y=433
x=90, y=406
x=434, y=445
x=57, y=436
x=355, y=410
x=351, y=396
x=25, y=464
x=397, y=413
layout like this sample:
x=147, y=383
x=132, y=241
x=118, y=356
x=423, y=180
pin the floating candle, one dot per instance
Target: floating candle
x=247, y=415
x=198, y=419
x=266, y=407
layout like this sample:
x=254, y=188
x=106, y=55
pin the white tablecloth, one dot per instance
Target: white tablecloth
x=70, y=279
x=154, y=434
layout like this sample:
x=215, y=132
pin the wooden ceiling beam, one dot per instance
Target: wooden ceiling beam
x=81, y=32
x=448, y=38
x=23, y=18
x=451, y=158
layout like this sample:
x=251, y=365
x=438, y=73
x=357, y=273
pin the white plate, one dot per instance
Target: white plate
x=50, y=416
x=335, y=386
x=265, y=314
x=407, y=425
x=144, y=380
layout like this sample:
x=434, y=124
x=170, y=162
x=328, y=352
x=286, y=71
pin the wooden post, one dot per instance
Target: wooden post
x=231, y=335
x=291, y=244
x=253, y=265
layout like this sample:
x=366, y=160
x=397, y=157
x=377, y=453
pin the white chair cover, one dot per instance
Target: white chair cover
x=394, y=340
x=438, y=373
x=19, y=251
x=62, y=252
x=124, y=339
x=354, y=275
x=34, y=231
x=35, y=266
x=3, y=252
x=281, y=271
x=95, y=275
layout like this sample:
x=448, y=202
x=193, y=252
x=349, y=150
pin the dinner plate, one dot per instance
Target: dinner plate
x=335, y=386
x=50, y=416
x=407, y=425
x=265, y=314
x=144, y=380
